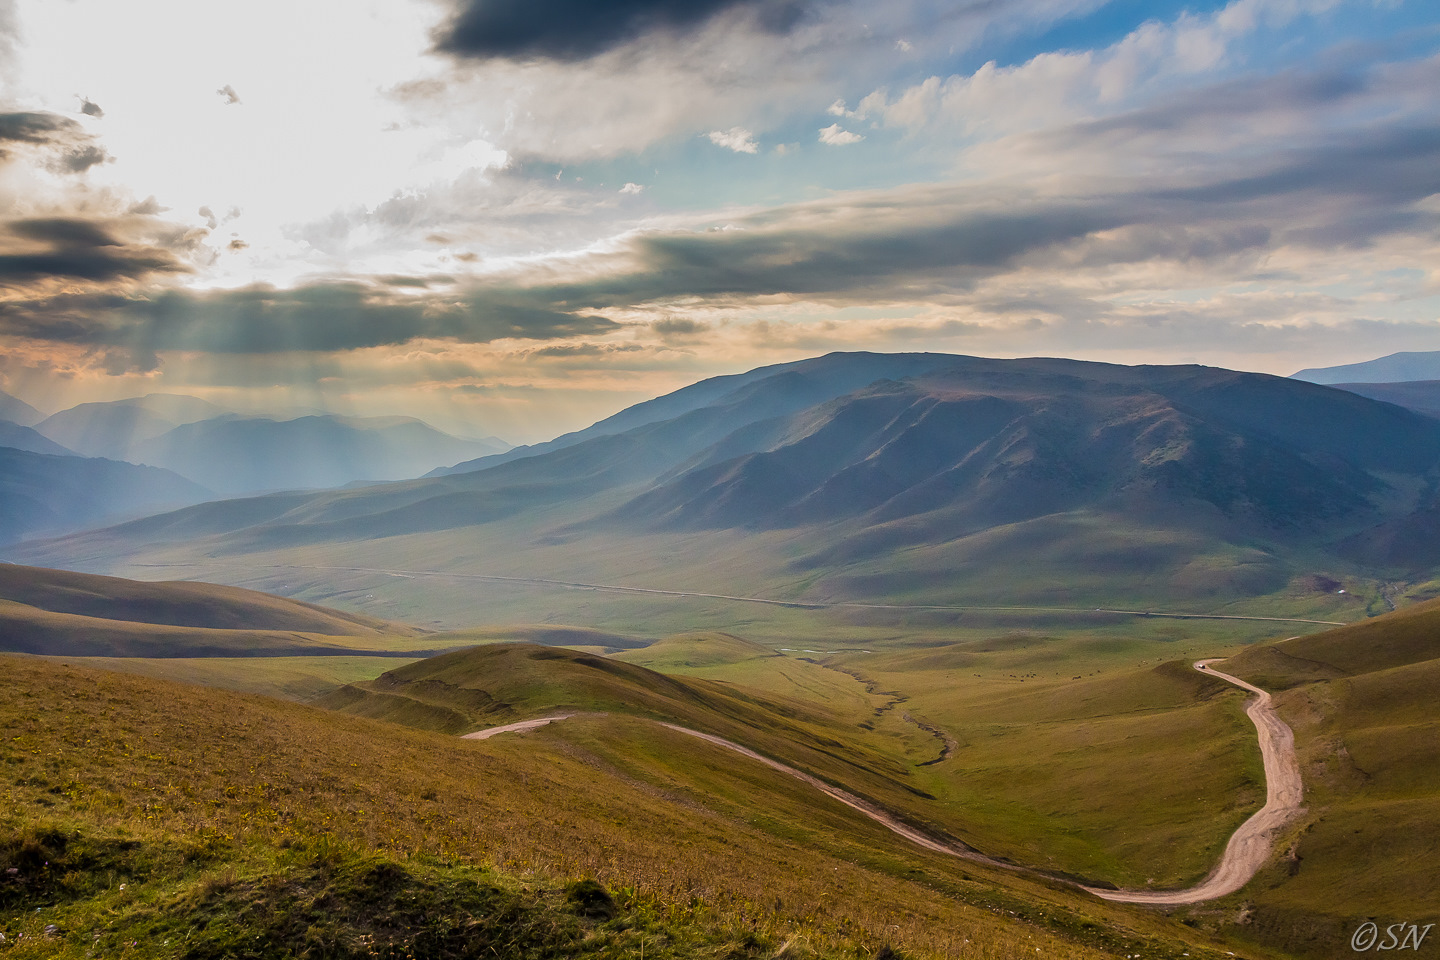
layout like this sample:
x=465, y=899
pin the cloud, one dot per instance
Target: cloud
x=229, y=94
x=836, y=137
x=632, y=189
x=671, y=329
x=574, y=30
x=90, y=108
x=323, y=317
x=72, y=248
x=736, y=138
x=38, y=128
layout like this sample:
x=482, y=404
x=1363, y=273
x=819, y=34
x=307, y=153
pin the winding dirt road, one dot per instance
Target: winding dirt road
x=1249, y=847
x=1244, y=855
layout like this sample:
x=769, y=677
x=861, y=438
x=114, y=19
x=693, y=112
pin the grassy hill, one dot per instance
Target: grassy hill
x=59, y=612
x=159, y=820
x=1361, y=700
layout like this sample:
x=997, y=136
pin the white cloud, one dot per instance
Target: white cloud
x=632, y=188
x=836, y=137
x=736, y=138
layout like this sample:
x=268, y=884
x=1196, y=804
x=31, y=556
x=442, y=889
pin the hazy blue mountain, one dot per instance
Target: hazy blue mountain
x=1396, y=368
x=18, y=411
x=112, y=428
x=24, y=438
x=1243, y=464
x=1422, y=396
x=235, y=455
x=44, y=494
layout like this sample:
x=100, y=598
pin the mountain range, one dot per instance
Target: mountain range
x=863, y=477
x=1395, y=368
x=232, y=454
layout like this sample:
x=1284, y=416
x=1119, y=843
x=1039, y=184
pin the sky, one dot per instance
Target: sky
x=515, y=217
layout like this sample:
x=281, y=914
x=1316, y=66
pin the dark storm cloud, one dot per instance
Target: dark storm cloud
x=37, y=128
x=261, y=320
x=580, y=29
x=71, y=148
x=72, y=248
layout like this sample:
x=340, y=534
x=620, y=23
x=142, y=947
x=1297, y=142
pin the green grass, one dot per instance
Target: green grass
x=239, y=817
x=289, y=678
x=1361, y=700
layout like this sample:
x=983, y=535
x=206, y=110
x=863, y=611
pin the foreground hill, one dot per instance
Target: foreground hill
x=42, y=493
x=57, y=612
x=1361, y=700
x=232, y=821
x=938, y=479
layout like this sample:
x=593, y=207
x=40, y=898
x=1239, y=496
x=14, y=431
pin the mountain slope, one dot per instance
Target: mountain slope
x=238, y=455
x=111, y=428
x=1046, y=480
x=42, y=493
x=1395, y=368
x=18, y=411
x=1003, y=453
x=24, y=438
x=1422, y=396
x=794, y=386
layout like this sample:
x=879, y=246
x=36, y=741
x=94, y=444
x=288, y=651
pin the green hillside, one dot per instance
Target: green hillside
x=58, y=612
x=151, y=819
x=1362, y=702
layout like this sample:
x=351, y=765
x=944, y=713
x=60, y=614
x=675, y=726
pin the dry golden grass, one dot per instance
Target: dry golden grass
x=689, y=828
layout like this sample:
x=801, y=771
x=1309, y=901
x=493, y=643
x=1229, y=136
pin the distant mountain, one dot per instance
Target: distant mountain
x=1396, y=368
x=112, y=428
x=1422, y=396
x=23, y=438
x=787, y=387
x=236, y=455
x=862, y=476
x=44, y=494
x=18, y=411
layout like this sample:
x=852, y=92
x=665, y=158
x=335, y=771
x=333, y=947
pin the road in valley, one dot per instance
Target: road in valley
x=1244, y=855
x=1249, y=847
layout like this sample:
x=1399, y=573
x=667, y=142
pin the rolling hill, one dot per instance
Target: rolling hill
x=938, y=480
x=58, y=612
x=142, y=811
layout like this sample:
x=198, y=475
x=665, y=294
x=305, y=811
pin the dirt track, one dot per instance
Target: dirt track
x=1249, y=847
x=1244, y=855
